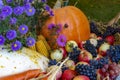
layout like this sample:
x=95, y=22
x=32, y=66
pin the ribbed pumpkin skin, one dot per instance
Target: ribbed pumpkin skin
x=78, y=25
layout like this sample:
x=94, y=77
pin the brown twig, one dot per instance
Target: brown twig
x=114, y=20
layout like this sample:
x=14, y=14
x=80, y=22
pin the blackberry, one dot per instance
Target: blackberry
x=86, y=70
x=103, y=61
x=99, y=42
x=93, y=29
x=114, y=53
x=110, y=31
x=52, y=62
x=90, y=48
x=74, y=54
x=97, y=64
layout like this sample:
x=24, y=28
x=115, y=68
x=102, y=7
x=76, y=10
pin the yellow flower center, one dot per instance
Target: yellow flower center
x=30, y=10
x=15, y=45
x=23, y=28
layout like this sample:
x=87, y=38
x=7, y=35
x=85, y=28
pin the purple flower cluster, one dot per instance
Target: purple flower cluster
x=13, y=21
x=28, y=1
x=61, y=40
x=51, y=26
x=10, y=14
x=30, y=41
x=9, y=1
x=30, y=11
x=16, y=45
x=59, y=28
x=48, y=9
x=2, y=40
x=6, y=10
x=23, y=29
x=1, y=4
x=2, y=17
x=11, y=34
x=44, y=1
x=18, y=10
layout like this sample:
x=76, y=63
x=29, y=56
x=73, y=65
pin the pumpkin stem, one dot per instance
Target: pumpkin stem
x=60, y=3
x=76, y=2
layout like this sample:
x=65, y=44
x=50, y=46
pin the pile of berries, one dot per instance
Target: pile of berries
x=96, y=58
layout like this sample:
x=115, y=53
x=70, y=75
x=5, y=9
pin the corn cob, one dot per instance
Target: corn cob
x=41, y=37
x=41, y=48
x=33, y=47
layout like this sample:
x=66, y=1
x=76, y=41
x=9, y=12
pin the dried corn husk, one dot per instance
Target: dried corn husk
x=33, y=47
x=41, y=48
x=41, y=37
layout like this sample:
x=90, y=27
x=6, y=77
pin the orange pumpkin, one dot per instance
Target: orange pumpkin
x=77, y=24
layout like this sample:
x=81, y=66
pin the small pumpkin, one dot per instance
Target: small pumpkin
x=75, y=25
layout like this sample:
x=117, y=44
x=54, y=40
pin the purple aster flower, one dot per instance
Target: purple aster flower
x=11, y=34
x=59, y=28
x=7, y=10
x=30, y=41
x=51, y=26
x=31, y=1
x=2, y=40
x=28, y=1
x=18, y=10
x=30, y=11
x=47, y=8
x=51, y=13
x=1, y=4
x=61, y=40
x=9, y=1
x=13, y=21
x=27, y=6
x=2, y=17
x=44, y=1
x=23, y=29
x=16, y=45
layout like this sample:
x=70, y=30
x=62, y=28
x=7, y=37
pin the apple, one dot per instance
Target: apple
x=110, y=39
x=56, y=54
x=103, y=48
x=84, y=63
x=81, y=77
x=99, y=38
x=70, y=64
x=93, y=42
x=70, y=45
x=85, y=56
x=93, y=35
x=80, y=44
x=68, y=74
x=64, y=52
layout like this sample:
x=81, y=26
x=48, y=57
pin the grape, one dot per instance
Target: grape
x=94, y=29
x=103, y=70
x=114, y=53
x=87, y=70
x=52, y=62
x=74, y=54
x=111, y=70
x=118, y=77
x=90, y=48
x=99, y=43
x=110, y=31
